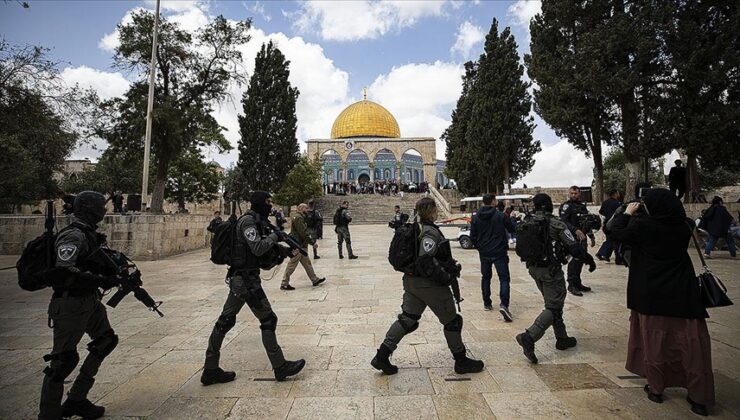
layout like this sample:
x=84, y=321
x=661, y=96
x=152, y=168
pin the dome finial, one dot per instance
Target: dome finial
x=364, y=93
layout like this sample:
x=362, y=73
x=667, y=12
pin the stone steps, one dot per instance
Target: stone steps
x=367, y=208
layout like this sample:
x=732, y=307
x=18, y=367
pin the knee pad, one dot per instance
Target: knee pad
x=269, y=323
x=62, y=364
x=103, y=345
x=455, y=325
x=225, y=324
x=409, y=322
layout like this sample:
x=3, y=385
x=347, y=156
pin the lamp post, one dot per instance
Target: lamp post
x=149, y=117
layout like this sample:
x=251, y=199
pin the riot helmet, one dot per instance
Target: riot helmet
x=542, y=202
x=90, y=207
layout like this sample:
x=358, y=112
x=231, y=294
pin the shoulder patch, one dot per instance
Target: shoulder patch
x=66, y=251
x=251, y=234
x=565, y=207
x=428, y=244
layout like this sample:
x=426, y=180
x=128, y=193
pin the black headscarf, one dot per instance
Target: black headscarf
x=258, y=201
x=89, y=206
x=661, y=204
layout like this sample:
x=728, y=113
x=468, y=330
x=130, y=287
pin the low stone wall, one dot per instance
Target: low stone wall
x=142, y=237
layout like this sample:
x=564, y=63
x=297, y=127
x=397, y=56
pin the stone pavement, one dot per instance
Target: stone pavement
x=154, y=373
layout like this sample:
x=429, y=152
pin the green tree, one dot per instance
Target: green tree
x=563, y=95
x=191, y=179
x=500, y=130
x=110, y=174
x=268, y=146
x=302, y=183
x=615, y=172
x=194, y=72
x=37, y=131
x=460, y=158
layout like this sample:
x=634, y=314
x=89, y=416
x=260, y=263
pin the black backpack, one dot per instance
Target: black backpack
x=224, y=241
x=404, y=248
x=312, y=219
x=532, y=238
x=38, y=256
x=338, y=217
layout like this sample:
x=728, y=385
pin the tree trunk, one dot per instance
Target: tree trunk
x=157, y=204
x=692, y=175
x=633, y=167
x=598, y=195
x=507, y=178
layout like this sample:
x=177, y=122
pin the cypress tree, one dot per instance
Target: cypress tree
x=499, y=134
x=460, y=161
x=268, y=147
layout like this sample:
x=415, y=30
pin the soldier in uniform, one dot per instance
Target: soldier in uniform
x=75, y=309
x=313, y=222
x=569, y=212
x=399, y=218
x=257, y=247
x=436, y=270
x=299, y=231
x=548, y=276
x=342, y=219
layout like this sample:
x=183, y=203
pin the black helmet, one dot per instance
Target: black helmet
x=542, y=201
x=89, y=206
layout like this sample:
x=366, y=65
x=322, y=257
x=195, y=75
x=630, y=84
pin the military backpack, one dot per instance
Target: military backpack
x=532, y=240
x=404, y=248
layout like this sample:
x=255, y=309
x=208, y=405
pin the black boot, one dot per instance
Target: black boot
x=656, y=398
x=382, y=362
x=216, y=376
x=464, y=364
x=527, y=344
x=289, y=369
x=84, y=409
x=697, y=408
x=565, y=343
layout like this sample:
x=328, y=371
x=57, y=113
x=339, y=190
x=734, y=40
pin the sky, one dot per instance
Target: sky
x=409, y=54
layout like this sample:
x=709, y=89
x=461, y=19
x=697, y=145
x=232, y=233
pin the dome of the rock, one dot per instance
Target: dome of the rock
x=365, y=119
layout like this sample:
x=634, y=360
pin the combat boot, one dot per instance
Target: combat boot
x=216, y=376
x=464, y=364
x=382, y=362
x=565, y=343
x=527, y=344
x=84, y=409
x=289, y=369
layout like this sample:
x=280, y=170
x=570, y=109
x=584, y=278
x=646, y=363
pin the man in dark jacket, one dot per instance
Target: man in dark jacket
x=717, y=221
x=488, y=233
x=570, y=213
x=607, y=210
x=217, y=220
x=677, y=179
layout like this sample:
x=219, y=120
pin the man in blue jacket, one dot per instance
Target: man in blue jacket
x=488, y=233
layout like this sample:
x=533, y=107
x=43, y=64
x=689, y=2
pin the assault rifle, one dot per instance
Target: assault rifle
x=289, y=240
x=110, y=262
x=455, y=285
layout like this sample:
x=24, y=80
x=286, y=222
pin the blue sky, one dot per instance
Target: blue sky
x=408, y=53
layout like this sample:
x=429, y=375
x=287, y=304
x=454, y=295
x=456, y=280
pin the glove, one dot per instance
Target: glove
x=284, y=251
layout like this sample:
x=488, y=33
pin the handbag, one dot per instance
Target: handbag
x=713, y=291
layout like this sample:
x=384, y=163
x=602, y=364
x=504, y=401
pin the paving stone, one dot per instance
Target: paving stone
x=462, y=406
x=446, y=381
x=336, y=408
x=527, y=405
x=194, y=408
x=594, y=403
x=419, y=407
x=243, y=386
x=261, y=408
x=573, y=376
x=517, y=378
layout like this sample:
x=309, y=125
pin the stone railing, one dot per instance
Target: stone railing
x=143, y=237
x=442, y=203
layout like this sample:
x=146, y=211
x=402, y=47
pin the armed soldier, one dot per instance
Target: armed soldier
x=256, y=247
x=399, y=218
x=546, y=247
x=342, y=219
x=313, y=223
x=75, y=309
x=570, y=211
x=299, y=231
x=436, y=271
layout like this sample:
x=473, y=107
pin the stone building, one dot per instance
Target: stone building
x=366, y=145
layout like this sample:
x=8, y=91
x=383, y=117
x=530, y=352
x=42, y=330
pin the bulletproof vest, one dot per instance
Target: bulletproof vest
x=244, y=258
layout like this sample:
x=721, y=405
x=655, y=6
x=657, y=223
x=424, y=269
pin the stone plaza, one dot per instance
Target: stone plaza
x=154, y=372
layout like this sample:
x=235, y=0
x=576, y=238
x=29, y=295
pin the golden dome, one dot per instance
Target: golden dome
x=365, y=119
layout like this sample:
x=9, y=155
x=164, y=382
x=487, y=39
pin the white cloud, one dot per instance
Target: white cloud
x=108, y=85
x=523, y=11
x=111, y=41
x=354, y=20
x=177, y=5
x=558, y=165
x=421, y=97
x=468, y=35
x=258, y=8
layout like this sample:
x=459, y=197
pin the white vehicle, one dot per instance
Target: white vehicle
x=472, y=204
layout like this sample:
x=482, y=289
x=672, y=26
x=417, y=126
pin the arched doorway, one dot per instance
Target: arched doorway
x=363, y=178
x=385, y=165
x=357, y=163
x=332, y=164
x=412, y=166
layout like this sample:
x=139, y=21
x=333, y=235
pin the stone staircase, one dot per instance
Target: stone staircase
x=367, y=208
